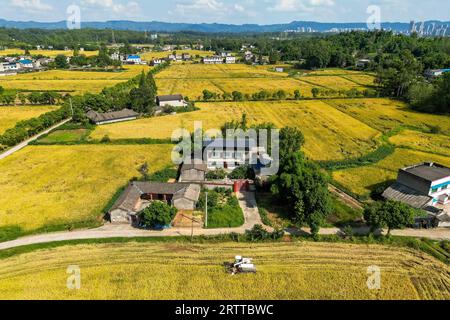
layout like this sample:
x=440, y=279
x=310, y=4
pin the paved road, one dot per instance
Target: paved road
x=246, y=201
x=26, y=142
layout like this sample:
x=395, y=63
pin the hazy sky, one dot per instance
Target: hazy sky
x=227, y=11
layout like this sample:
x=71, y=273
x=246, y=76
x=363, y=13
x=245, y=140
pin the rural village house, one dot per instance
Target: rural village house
x=138, y=195
x=195, y=172
x=173, y=100
x=111, y=117
x=424, y=186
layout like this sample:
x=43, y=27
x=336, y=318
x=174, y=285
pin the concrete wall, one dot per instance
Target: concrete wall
x=192, y=175
x=184, y=204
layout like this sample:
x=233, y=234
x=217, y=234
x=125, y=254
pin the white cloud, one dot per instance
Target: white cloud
x=304, y=5
x=31, y=5
x=110, y=5
x=199, y=5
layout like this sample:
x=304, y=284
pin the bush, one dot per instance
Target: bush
x=157, y=214
x=258, y=233
x=243, y=172
x=218, y=174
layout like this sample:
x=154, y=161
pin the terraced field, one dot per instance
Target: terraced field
x=70, y=81
x=66, y=185
x=330, y=134
x=9, y=116
x=364, y=180
x=140, y=271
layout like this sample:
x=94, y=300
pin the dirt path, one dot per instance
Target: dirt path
x=26, y=142
x=346, y=198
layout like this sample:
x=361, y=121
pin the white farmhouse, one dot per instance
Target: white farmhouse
x=213, y=60
x=173, y=100
x=230, y=60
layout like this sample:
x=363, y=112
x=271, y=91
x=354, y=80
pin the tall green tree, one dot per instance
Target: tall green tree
x=389, y=214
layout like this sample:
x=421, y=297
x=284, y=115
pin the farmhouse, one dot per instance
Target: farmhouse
x=157, y=62
x=26, y=64
x=435, y=73
x=230, y=60
x=362, y=63
x=195, y=172
x=173, y=100
x=111, y=117
x=138, y=195
x=134, y=59
x=232, y=153
x=213, y=60
x=424, y=186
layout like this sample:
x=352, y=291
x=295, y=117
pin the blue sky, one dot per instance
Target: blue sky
x=227, y=11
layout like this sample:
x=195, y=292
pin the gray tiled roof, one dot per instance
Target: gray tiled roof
x=111, y=116
x=402, y=193
x=170, y=97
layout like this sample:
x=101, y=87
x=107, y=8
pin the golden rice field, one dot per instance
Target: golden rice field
x=159, y=55
x=335, y=71
x=361, y=79
x=330, y=134
x=9, y=116
x=191, y=79
x=194, y=88
x=55, y=185
x=385, y=114
x=215, y=71
x=432, y=143
x=46, y=53
x=70, y=81
x=331, y=82
x=365, y=179
x=286, y=271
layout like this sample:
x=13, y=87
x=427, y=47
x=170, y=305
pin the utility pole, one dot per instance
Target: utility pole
x=206, y=209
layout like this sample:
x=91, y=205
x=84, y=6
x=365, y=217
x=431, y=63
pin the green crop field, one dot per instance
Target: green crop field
x=9, y=116
x=64, y=185
x=183, y=271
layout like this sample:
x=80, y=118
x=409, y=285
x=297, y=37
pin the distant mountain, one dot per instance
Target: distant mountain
x=157, y=26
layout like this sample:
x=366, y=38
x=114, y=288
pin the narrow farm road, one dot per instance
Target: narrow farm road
x=28, y=141
x=247, y=202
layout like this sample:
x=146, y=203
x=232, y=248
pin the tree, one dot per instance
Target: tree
x=297, y=95
x=390, y=214
x=274, y=57
x=291, y=141
x=237, y=96
x=61, y=62
x=315, y=92
x=207, y=95
x=157, y=214
x=300, y=183
x=142, y=98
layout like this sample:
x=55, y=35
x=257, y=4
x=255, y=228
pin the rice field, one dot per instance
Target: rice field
x=61, y=185
x=193, y=88
x=46, y=53
x=431, y=143
x=331, y=82
x=307, y=271
x=330, y=134
x=70, y=81
x=78, y=82
x=191, y=79
x=9, y=116
x=364, y=180
x=216, y=71
x=159, y=55
x=385, y=114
